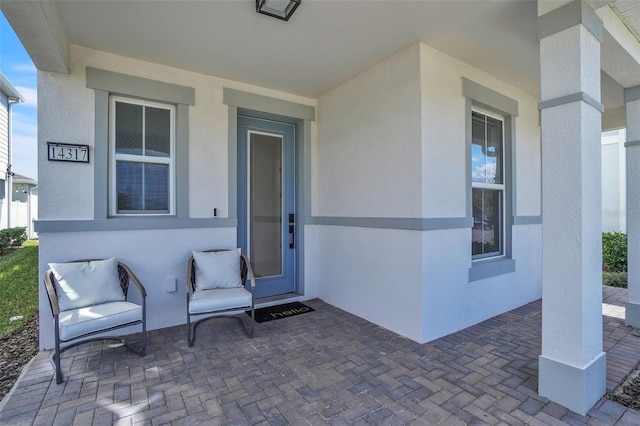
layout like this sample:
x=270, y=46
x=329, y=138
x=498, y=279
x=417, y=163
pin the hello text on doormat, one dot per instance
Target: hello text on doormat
x=281, y=311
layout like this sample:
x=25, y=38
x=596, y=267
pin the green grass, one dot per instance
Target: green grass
x=18, y=287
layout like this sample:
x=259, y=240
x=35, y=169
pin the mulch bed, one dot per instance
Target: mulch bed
x=16, y=350
x=628, y=393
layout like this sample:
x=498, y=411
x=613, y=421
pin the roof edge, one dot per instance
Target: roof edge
x=7, y=88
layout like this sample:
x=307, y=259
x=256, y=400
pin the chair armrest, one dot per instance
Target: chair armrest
x=51, y=292
x=252, y=278
x=135, y=280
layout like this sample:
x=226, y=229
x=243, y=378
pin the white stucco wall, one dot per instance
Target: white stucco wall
x=443, y=153
x=614, y=181
x=67, y=114
x=368, y=158
x=451, y=302
x=368, y=165
x=389, y=144
x=373, y=273
x=416, y=282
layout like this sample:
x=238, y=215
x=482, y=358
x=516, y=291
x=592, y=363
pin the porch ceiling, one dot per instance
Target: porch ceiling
x=322, y=46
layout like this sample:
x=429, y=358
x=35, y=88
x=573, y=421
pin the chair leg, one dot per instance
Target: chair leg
x=56, y=356
x=56, y=359
x=253, y=319
x=191, y=332
x=143, y=350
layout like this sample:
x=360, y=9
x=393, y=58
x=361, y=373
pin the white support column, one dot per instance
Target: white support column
x=572, y=366
x=632, y=311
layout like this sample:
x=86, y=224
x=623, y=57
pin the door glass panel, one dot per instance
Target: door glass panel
x=265, y=204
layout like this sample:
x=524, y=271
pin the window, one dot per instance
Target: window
x=141, y=157
x=487, y=185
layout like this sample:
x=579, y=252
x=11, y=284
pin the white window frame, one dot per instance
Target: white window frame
x=501, y=187
x=114, y=157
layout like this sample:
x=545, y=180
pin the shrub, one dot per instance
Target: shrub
x=12, y=238
x=614, y=252
x=615, y=279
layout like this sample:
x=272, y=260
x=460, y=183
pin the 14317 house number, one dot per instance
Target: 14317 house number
x=68, y=152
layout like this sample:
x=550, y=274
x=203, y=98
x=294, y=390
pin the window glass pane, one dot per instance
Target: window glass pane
x=128, y=128
x=157, y=132
x=156, y=185
x=486, y=149
x=142, y=187
x=487, y=222
x=129, y=185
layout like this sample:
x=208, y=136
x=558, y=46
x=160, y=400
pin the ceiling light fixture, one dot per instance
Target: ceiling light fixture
x=281, y=9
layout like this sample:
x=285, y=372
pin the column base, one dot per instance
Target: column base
x=575, y=388
x=632, y=314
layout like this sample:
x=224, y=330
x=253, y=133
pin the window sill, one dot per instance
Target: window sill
x=482, y=269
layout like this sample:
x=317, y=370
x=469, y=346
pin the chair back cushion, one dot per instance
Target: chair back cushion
x=217, y=269
x=80, y=284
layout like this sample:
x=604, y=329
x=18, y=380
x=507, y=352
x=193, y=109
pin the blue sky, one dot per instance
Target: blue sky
x=16, y=65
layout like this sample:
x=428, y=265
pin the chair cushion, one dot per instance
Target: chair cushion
x=219, y=299
x=76, y=322
x=217, y=269
x=80, y=284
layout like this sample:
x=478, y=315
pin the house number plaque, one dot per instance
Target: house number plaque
x=68, y=152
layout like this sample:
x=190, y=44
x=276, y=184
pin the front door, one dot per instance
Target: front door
x=267, y=220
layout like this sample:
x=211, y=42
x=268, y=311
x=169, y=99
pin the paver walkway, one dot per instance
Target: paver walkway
x=324, y=367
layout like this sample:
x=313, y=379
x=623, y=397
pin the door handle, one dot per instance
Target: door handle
x=292, y=231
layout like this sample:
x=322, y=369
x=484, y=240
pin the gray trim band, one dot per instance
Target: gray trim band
x=527, y=220
x=632, y=94
x=182, y=162
x=489, y=97
x=631, y=144
x=232, y=153
x=137, y=86
x=130, y=224
x=576, y=97
x=410, y=224
x=101, y=155
x=568, y=16
x=491, y=268
x=251, y=101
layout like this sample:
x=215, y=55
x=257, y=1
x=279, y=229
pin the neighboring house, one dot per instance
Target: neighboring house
x=8, y=96
x=25, y=203
x=395, y=159
x=614, y=200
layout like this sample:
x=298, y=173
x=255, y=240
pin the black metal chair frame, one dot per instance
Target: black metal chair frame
x=245, y=272
x=126, y=275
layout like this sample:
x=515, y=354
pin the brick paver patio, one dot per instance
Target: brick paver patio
x=324, y=367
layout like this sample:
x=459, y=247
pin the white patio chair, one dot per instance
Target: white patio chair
x=217, y=287
x=88, y=298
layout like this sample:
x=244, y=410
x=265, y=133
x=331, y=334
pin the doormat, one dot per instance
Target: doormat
x=281, y=311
